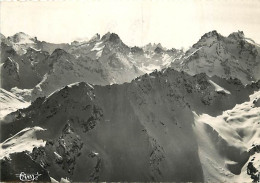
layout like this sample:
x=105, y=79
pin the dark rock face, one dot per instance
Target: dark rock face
x=12, y=169
x=137, y=50
x=112, y=37
x=158, y=50
x=253, y=172
x=237, y=35
x=9, y=74
x=61, y=152
x=22, y=71
x=256, y=102
x=211, y=34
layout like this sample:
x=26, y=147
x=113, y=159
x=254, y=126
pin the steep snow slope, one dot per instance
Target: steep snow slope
x=238, y=128
x=233, y=56
x=24, y=93
x=138, y=131
x=10, y=102
x=25, y=140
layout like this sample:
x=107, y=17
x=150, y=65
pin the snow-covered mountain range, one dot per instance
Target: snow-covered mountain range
x=99, y=110
x=234, y=56
x=32, y=64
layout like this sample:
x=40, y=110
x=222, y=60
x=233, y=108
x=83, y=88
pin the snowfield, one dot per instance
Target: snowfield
x=239, y=128
x=10, y=102
x=25, y=140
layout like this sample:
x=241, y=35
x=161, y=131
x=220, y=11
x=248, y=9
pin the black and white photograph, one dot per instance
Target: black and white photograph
x=130, y=91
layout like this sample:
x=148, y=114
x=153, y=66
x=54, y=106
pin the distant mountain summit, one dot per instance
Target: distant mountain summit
x=111, y=37
x=237, y=35
x=96, y=37
x=23, y=71
x=22, y=41
x=22, y=38
x=229, y=57
x=151, y=47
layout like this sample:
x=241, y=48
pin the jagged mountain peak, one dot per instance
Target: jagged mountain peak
x=111, y=37
x=159, y=45
x=21, y=34
x=137, y=50
x=158, y=50
x=226, y=57
x=173, y=50
x=81, y=41
x=80, y=85
x=96, y=37
x=58, y=52
x=4, y=40
x=22, y=37
x=74, y=89
x=148, y=45
x=152, y=46
x=210, y=34
x=208, y=38
x=237, y=35
x=60, y=56
x=2, y=36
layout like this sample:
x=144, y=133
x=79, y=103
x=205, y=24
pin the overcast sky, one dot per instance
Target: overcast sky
x=174, y=23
